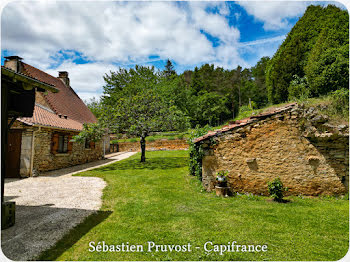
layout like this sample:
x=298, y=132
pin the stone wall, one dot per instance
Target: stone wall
x=308, y=162
x=45, y=160
x=177, y=144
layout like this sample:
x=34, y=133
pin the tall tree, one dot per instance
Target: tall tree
x=169, y=70
x=135, y=108
x=95, y=106
x=316, y=47
x=259, y=90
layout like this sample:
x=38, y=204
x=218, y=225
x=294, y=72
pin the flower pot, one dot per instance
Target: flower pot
x=222, y=191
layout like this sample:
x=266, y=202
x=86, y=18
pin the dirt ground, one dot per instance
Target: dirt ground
x=48, y=206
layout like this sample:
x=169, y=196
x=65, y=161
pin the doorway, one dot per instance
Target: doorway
x=13, y=154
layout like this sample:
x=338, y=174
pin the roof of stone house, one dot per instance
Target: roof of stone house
x=66, y=101
x=46, y=117
x=244, y=122
x=34, y=81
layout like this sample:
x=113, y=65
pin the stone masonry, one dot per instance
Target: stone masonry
x=310, y=156
x=164, y=144
x=44, y=160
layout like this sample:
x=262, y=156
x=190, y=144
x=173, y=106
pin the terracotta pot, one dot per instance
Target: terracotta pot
x=222, y=191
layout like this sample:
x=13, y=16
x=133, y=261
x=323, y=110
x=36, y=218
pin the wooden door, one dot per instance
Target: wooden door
x=13, y=155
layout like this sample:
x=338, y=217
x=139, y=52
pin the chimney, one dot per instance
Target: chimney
x=63, y=75
x=14, y=63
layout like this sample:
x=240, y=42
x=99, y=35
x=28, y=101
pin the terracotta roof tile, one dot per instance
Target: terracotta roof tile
x=45, y=117
x=66, y=101
x=243, y=122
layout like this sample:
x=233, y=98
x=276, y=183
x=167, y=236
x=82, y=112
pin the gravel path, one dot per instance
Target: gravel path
x=48, y=206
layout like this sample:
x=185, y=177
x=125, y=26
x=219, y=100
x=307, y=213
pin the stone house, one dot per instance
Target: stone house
x=297, y=144
x=44, y=142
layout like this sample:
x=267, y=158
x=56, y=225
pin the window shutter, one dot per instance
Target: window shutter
x=54, y=143
x=70, y=144
x=92, y=145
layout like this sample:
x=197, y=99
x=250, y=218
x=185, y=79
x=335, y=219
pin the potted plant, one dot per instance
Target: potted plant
x=221, y=178
x=221, y=187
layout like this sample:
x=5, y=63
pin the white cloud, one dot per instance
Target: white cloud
x=48, y=34
x=86, y=79
x=118, y=32
x=274, y=14
x=263, y=41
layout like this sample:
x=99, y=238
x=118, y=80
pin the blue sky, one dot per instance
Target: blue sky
x=88, y=39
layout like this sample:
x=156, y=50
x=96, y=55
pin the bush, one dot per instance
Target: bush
x=340, y=101
x=171, y=138
x=133, y=140
x=298, y=89
x=180, y=137
x=276, y=189
x=150, y=139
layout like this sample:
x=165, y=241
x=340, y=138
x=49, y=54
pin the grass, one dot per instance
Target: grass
x=158, y=201
x=326, y=106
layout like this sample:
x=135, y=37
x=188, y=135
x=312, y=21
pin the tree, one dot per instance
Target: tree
x=169, y=70
x=316, y=47
x=95, y=106
x=92, y=132
x=327, y=68
x=209, y=108
x=136, y=108
x=259, y=92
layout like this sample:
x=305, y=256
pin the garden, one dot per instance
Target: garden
x=157, y=201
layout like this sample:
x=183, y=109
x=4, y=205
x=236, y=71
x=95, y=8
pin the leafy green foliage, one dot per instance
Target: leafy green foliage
x=169, y=70
x=95, y=106
x=196, y=152
x=316, y=47
x=215, y=95
x=133, y=105
x=276, y=189
x=298, y=88
x=340, y=102
x=91, y=132
x=209, y=107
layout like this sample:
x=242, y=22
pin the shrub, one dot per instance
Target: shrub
x=276, y=189
x=340, y=101
x=180, y=137
x=133, y=140
x=298, y=89
x=245, y=108
x=171, y=138
x=91, y=131
x=150, y=139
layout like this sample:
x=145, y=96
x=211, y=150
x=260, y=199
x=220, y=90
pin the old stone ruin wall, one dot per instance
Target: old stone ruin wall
x=176, y=144
x=310, y=156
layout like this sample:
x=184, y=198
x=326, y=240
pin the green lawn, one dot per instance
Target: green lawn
x=158, y=201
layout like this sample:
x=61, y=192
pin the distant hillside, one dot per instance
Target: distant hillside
x=314, y=57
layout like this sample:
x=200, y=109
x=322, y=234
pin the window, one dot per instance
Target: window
x=87, y=144
x=62, y=144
